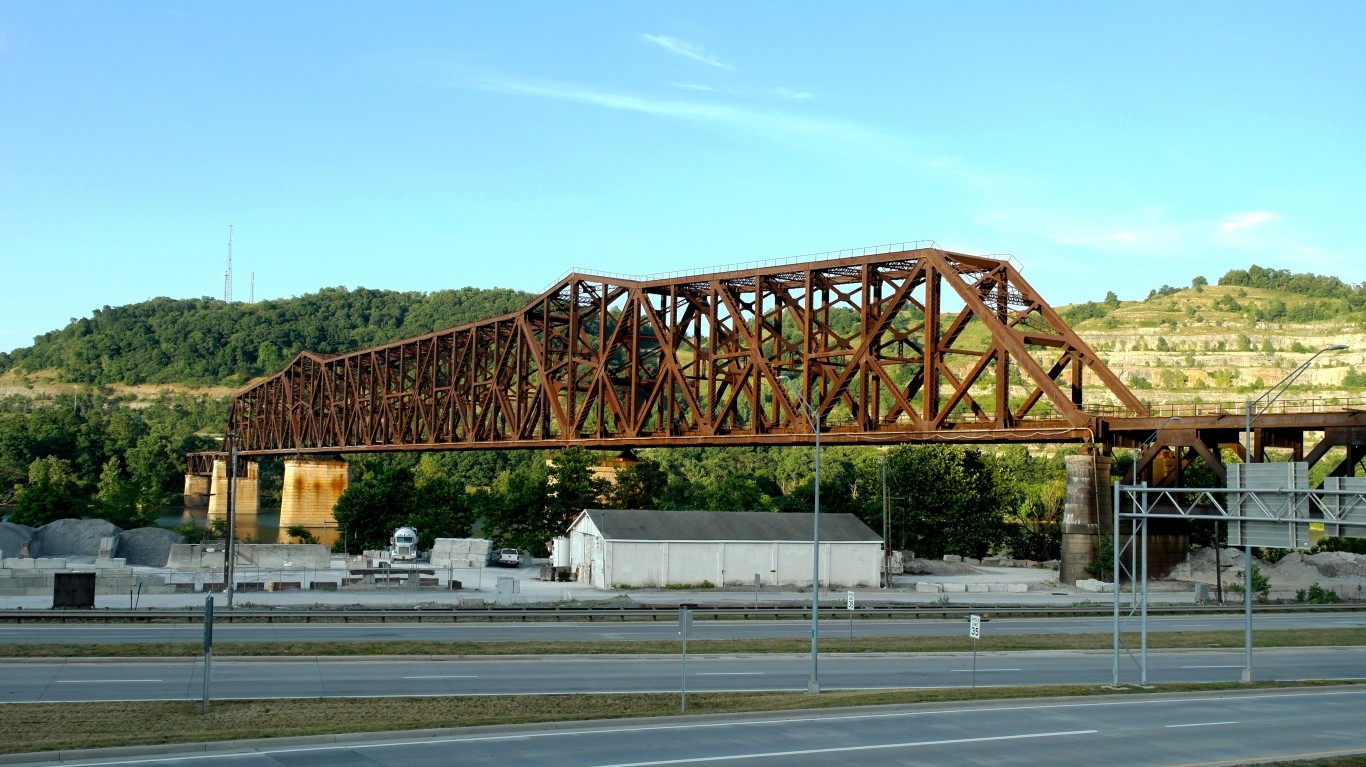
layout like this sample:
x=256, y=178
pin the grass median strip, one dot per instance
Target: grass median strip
x=59, y=726
x=1162, y=640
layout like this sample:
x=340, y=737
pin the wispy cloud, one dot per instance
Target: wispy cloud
x=687, y=50
x=1245, y=220
x=694, y=87
x=772, y=124
x=785, y=94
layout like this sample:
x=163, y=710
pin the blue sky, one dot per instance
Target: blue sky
x=422, y=146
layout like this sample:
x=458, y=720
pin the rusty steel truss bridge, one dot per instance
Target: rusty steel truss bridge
x=894, y=344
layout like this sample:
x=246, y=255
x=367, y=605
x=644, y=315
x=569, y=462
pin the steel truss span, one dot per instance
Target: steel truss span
x=909, y=344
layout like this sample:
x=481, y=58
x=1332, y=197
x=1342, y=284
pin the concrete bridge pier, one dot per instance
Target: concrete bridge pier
x=245, y=496
x=197, y=490
x=1089, y=501
x=311, y=488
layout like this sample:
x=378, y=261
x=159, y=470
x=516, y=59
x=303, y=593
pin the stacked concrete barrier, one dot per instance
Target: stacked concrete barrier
x=460, y=552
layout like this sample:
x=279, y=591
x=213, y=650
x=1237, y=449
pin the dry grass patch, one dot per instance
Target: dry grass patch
x=1159, y=640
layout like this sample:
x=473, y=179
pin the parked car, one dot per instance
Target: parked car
x=508, y=558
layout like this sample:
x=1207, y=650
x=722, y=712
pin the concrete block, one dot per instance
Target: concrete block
x=952, y=558
x=955, y=588
x=929, y=588
x=1017, y=588
x=49, y=563
x=978, y=588
x=17, y=563
x=971, y=561
x=1095, y=586
x=106, y=563
x=993, y=562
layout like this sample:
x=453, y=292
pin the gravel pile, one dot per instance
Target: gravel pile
x=147, y=546
x=13, y=537
x=1325, y=564
x=72, y=537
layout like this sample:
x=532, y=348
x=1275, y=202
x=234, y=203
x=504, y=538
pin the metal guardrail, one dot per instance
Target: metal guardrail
x=621, y=614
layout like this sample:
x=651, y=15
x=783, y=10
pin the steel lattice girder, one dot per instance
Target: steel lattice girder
x=698, y=360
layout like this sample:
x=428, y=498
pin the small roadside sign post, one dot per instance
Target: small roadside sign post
x=684, y=628
x=758, y=582
x=974, y=631
x=208, y=648
x=849, y=605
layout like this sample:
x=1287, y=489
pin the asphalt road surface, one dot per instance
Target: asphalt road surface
x=181, y=679
x=1206, y=730
x=832, y=627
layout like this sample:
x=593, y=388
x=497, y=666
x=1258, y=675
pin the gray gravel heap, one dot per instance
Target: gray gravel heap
x=72, y=537
x=147, y=546
x=13, y=537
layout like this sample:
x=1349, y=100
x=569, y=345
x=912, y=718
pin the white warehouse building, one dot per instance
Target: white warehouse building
x=611, y=547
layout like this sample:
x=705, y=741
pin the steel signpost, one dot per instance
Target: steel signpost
x=684, y=627
x=974, y=631
x=208, y=647
x=849, y=605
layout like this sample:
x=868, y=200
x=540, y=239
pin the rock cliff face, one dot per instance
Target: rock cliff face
x=1189, y=348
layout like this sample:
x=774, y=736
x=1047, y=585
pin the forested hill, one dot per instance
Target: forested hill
x=206, y=341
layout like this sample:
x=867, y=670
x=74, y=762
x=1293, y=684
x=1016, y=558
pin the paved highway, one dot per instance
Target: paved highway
x=834, y=628
x=180, y=679
x=1207, y=730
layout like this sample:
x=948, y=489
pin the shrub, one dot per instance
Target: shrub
x=1334, y=543
x=1272, y=556
x=1261, y=585
x=1317, y=595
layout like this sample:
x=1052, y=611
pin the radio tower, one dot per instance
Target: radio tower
x=227, y=275
x=252, y=298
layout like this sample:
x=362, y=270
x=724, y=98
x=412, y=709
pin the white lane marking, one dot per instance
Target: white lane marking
x=729, y=673
x=445, y=676
x=102, y=681
x=847, y=749
x=1201, y=724
x=1237, y=666
x=591, y=731
x=983, y=670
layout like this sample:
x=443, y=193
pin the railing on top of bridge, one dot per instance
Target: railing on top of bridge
x=1238, y=407
x=871, y=250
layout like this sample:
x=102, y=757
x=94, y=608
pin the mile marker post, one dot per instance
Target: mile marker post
x=974, y=631
x=849, y=605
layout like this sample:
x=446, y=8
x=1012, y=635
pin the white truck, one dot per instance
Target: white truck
x=508, y=558
x=403, y=545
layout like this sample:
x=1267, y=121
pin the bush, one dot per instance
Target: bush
x=1261, y=585
x=1105, y=559
x=1334, y=543
x=1317, y=595
x=1272, y=556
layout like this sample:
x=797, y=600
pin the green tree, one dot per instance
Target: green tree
x=116, y=499
x=514, y=509
x=440, y=510
x=52, y=493
x=639, y=486
x=953, y=500
x=374, y=505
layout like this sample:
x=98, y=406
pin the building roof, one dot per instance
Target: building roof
x=638, y=525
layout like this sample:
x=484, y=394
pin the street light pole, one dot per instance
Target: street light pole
x=1261, y=405
x=813, y=416
x=229, y=553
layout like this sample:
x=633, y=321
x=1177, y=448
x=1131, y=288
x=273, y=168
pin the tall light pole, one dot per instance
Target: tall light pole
x=1261, y=405
x=813, y=417
x=229, y=553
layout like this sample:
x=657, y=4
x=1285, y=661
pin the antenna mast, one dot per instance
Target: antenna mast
x=227, y=275
x=252, y=299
